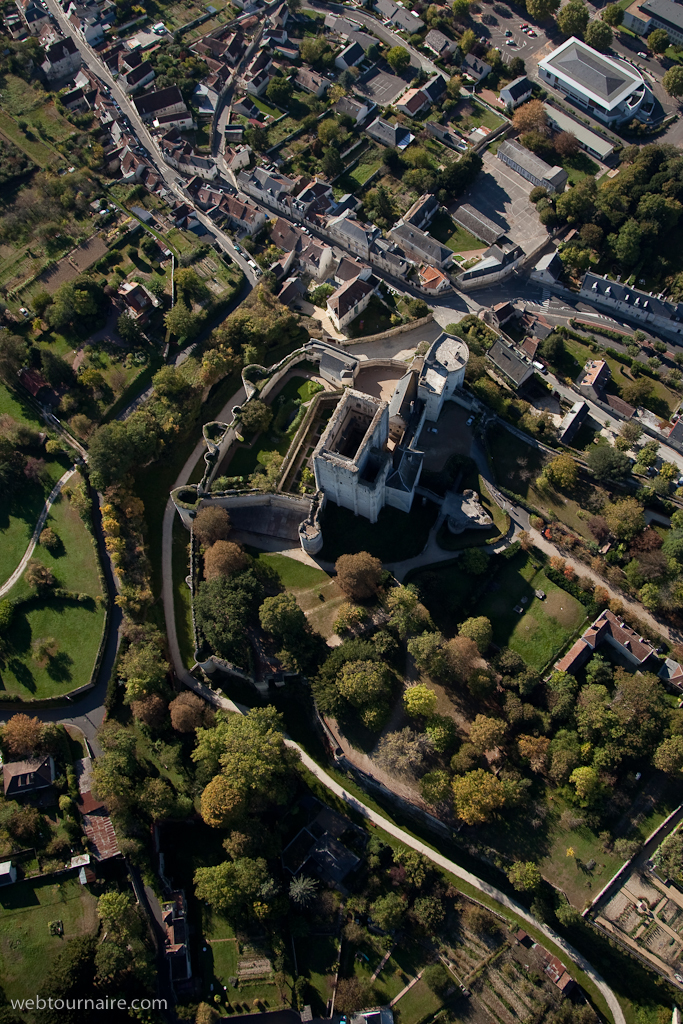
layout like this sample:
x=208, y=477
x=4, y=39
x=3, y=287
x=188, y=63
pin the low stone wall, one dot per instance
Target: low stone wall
x=390, y=334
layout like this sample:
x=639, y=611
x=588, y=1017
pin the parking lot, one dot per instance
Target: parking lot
x=529, y=48
x=502, y=195
x=381, y=87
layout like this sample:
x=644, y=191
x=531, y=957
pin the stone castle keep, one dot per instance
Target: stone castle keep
x=368, y=456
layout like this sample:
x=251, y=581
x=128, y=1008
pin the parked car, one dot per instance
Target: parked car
x=470, y=421
x=524, y=26
x=24, y=312
x=510, y=42
x=508, y=32
x=531, y=33
x=643, y=55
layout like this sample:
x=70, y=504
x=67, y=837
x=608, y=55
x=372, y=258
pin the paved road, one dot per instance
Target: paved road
x=54, y=494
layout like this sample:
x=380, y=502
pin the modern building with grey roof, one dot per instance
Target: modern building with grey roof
x=531, y=167
x=397, y=15
x=594, y=144
x=387, y=134
x=477, y=224
x=642, y=18
x=439, y=44
x=609, y=89
x=512, y=366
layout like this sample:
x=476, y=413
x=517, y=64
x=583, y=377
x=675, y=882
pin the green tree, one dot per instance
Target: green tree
x=398, y=59
x=599, y=36
x=487, y=733
x=420, y=701
x=366, y=686
x=478, y=795
x=625, y=518
x=429, y=913
x=221, y=804
x=224, y=608
x=129, y=329
x=627, y=245
x=606, y=463
x=587, y=782
x=460, y=8
x=673, y=81
x=406, y=612
x=669, y=857
x=475, y=561
x=441, y=732
x=143, y=669
x=658, y=40
x=427, y=650
x=211, y=524
x=467, y=40
x=525, y=876
x=388, y=911
x=303, y=890
x=182, y=322
x=255, y=759
x=435, y=786
x=233, y=886
x=279, y=91
x=329, y=131
x=479, y=630
x=256, y=415
x=573, y=18
x=12, y=355
x=332, y=163
x=282, y=616
x=668, y=756
x=539, y=10
x=613, y=14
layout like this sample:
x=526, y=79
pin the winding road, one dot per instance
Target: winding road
x=54, y=494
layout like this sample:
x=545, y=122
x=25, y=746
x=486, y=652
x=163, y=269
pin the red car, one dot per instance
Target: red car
x=531, y=32
x=523, y=26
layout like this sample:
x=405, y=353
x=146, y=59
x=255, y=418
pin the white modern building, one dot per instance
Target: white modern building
x=609, y=89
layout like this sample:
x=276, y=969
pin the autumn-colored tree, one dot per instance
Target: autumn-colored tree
x=224, y=558
x=587, y=782
x=625, y=518
x=534, y=749
x=211, y=524
x=22, y=735
x=359, y=575
x=402, y=752
x=221, y=804
x=189, y=712
x=562, y=472
x=477, y=796
x=478, y=629
x=531, y=116
x=463, y=657
x=150, y=710
x=419, y=701
x=525, y=876
x=566, y=144
x=39, y=576
x=668, y=756
x=487, y=733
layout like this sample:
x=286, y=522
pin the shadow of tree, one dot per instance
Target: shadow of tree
x=59, y=667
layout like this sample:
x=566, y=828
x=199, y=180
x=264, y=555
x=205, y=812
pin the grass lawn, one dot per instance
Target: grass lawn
x=315, y=590
x=374, y=319
x=418, y=1004
x=28, y=949
x=299, y=387
x=446, y=231
x=293, y=575
x=182, y=599
x=40, y=152
x=11, y=404
x=246, y=459
x=517, y=465
x=369, y=162
x=579, y=167
x=469, y=115
x=394, y=537
x=545, y=626
x=315, y=956
x=661, y=403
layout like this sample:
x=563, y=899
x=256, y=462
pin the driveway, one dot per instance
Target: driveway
x=502, y=195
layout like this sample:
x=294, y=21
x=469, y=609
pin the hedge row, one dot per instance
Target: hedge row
x=560, y=580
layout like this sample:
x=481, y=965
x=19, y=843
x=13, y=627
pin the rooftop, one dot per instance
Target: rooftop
x=508, y=362
x=602, y=78
x=532, y=163
x=477, y=224
x=664, y=10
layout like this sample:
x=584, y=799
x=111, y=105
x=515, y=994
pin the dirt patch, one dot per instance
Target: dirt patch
x=74, y=264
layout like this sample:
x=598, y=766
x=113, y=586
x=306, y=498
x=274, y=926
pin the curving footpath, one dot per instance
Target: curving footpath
x=19, y=571
x=466, y=876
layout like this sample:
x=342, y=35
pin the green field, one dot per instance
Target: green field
x=19, y=515
x=417, y=1005
x=469, y=115
x=446, y=231
x=27, y=949
x=369, y=162
x=545, y=625
x=293, y=575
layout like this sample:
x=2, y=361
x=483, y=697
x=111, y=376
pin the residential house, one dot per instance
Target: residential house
x=349, y=269
x=349, y=57
x=632, y=303
x=398, y=16
x=531, y=167
x=180, y=121
x=23, y=777
x=13, y=24
x=90, y=20
x=176, y=937
x=434, y=88
x=483, y=228
x=497, y=262
x=37, y=386
x=474, y=68
x=444, y=133
x=385, y=254
x=279, y=17
x=138, y=299
x=421, y=245
x=610, y=629
x=267, y=187
x=596, y=376
x=179, y=154
x=516, y=92
x=413, y=102
x=291, y=291
x=571, y=422
x=440, y=44
x=8, y=873
x=394, y=135
x=49, y=34
x=315, y=199
x=548, y=269
x=137, y=78
x=310, y=81
x=34, y=15
x=433, y=280
x=316, y=259
x=158, y=104
x=422, y=212
x=224, y=45
x=513, y=366
x=350, y=300
x=354, y=108
x=96, y=822
x=236, y=159
x=243, y=215
x=353, y=235
x=672, y=673
x=287, y=236
x=62, y=60
x=247, y=108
